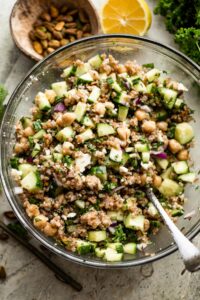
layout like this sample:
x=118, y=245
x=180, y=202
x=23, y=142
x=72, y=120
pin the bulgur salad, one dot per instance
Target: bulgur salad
x=95, y=139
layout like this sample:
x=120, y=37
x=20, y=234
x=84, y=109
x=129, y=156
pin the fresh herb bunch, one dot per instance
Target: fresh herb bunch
x=183, y=19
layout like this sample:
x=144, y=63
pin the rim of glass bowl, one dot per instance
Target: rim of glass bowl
x=69, y=255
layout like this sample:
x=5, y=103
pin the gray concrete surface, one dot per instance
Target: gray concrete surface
x=29, y=279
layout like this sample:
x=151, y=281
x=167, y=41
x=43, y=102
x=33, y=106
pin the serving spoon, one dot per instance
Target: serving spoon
x=190, y=253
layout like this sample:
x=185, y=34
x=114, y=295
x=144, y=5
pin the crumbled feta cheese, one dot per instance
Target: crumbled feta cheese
x=146, y=166
x=17, y=190
x=82, y=162
x=71, y=215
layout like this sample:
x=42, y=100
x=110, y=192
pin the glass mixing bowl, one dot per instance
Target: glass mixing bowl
x=122, y=47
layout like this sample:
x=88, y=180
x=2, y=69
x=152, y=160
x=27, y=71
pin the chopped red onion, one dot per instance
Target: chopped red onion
x=137, y=101
x=161, y=155
x=60, y=107
x=111, y=230
x=30, y=159
x=114, y=224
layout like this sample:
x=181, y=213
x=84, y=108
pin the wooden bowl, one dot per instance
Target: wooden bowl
x=25, y=13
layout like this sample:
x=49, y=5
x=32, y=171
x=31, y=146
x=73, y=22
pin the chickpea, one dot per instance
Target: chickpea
x=49, y=230
x=51, y=96
x=148, y=126
x=67, y=148
x=109, y=105
x=124, y=133
x=28, y=131
x=59, y=121
x=32, y=210
x=24, y=142
x=141, y=115
x=146, y=225
x=19, y=148
x=183, y=155
x=134, y=121
x=157, y=180
x=68, y=118
x=143, y=178
x=162, y=126
x=99, y=108
x=40, y=221
x=121, y=68
x=174, y=146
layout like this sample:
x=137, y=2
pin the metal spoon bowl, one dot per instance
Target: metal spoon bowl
x=190, y=253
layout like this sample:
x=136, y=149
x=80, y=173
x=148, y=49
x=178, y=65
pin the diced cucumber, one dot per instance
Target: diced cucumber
x=65, y=134
x=104, y=129
x=80, y=204
x=125, y=158
x=139, y=147
x=26, y=122
x=84, y=68
x=69, y=71
x=129, y=149
x=95, y=94
x=145, y=157
x=170, y=188
x=71, y=228
x=32, y=182
x=116, y=246
x=140, y=87
x=116, y=215
x=85, y=78
x=153, y=74
x=100, y=172
x=80, y=111
x=152, y=210
x=103, y=77
x=168, y=173
x=42, y=102
x=36, y=150
x=122, y=113
x=163, y=163
x=184, y=133
x=130, y=248
x=84, y=247
x=116, y=155
x=129, y=203
x=189, y=177
x=87, y=122
x=26, y=168
x=39, y=135
x=150, y=88
x=99, y=252
x=179, y=103
x=180, y=167
x=116, y=87
x=169, y=96
x=136, y=223
x=95, y=61
x=161, y=115
x=57, y=157
x=121, y=98
x=177, y=212
x=112, y=255
x=97, y=236
x=86, y=135
x=60, y=88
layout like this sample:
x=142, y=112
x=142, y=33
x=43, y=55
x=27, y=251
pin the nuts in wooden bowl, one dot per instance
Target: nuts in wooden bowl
x=41, y=26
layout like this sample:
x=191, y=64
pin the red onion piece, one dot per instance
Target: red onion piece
x=161, y=155
x=111, y=230
x=137, y=101
x=60, y=107
x=30, y=159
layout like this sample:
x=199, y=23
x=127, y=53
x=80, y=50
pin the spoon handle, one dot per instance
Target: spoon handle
x=189, y=253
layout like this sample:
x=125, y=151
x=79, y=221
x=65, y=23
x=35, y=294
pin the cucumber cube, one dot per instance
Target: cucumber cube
x=97, y=236
x=60, y=88
x=99, y=252
x=116, y=246
x=116, y=155
x=32, y=182
x=86, y=135
x=122, y=113
x=112, y=255
x=163, y=163
x=139, y=147
x=189, y=177
x=153, y=74
x=65, y=134
x=26, y=168
x=94, y=96
x=82, y=69
x=130, y=248
x=170, y=188
x=104, y=129
x=85, y=78
x=69, y=71
x=42, y=102
x=145, y=157
x=95, y=61
x=100, y=172
x=136, y=223
x=184, y=133
x=80, y=111
x=180, y=167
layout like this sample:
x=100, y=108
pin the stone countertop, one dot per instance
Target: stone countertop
x=29, y=279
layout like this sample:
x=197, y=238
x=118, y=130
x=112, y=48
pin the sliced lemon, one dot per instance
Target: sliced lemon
x=129, y=16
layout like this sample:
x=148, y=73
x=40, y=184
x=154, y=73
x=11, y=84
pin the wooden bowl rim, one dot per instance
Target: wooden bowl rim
x=27, y=53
